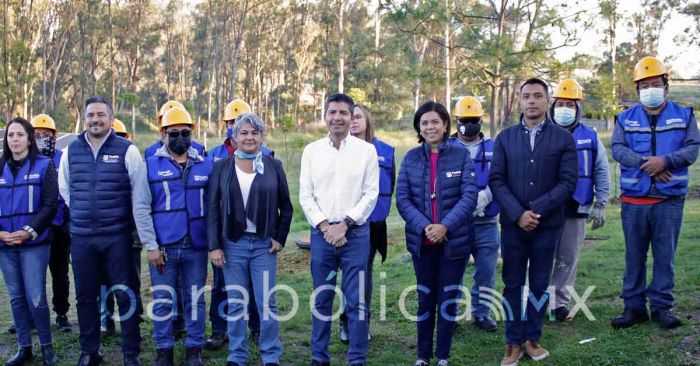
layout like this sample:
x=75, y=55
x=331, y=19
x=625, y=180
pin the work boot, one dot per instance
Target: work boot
x=630, y=317
x=63, y=324
x=131, y=360
x=535, y=351
x=666, y=318
x=562, y=314
x=514, y=352
x=90, y=360
x=47, y=356
x=193, y=356
x=216, y=341
x=164, y=357
x=344, y=334
x=23, y=355
x=485, y=323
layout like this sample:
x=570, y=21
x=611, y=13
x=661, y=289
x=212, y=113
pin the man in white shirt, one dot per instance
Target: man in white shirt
x=338, y=188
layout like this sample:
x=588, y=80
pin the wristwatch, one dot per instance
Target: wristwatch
x=31, y=231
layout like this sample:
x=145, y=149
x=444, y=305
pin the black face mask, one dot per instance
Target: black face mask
x=179, y=145
x=469, y=129
x=47, y=146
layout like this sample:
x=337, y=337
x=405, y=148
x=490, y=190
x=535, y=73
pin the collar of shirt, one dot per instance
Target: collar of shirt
x=537, y=128
x=342, y=143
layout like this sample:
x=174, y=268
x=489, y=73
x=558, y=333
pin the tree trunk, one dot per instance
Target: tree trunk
x=341, y=46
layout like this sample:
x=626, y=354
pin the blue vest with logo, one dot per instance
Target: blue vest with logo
x=61, y=208
x=151, y=150
x=586, y=140
x=482, y=165
x=385, y=155
x=664, y=138
x=179, y=206
x=21, y=197
x=220, y=152
x=100, y=188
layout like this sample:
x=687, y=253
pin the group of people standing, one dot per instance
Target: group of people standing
x=541, y=179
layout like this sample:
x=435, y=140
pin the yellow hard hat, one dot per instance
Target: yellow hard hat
x=176, y=116
x=649, y=67
x=468, y=107
x=120, y=127
x=569, y=89
x=44, y=121
x=166, y=107
x=235, y=109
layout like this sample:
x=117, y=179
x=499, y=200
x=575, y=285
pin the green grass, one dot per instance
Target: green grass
x=394, y=339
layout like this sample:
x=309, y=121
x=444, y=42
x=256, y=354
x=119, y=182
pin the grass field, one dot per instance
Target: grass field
x=602, y=265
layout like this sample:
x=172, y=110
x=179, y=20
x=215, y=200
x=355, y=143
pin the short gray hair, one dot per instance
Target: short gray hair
x=253, y=119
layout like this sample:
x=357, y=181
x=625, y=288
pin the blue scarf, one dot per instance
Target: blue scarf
x=258, y=165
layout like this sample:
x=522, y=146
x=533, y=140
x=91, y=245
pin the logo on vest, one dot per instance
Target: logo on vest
x=380, y=158
x=110, y=158
x=165, y=173
x=631, y=123
x=216, y=158
x=3, y=181
x=581, y=142
x=674, y=120
x=201, y=178
x=489, y=153
x=31, y=176
x=456, y=173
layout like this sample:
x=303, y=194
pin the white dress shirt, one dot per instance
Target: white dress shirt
x=335, y=183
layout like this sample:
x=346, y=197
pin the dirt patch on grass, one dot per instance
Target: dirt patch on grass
x=592, y=240
x=294, y=260
x=690, y=345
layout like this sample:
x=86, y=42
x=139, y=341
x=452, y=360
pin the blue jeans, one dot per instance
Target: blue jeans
x=439, y=282
x=249, y=259
x=485, y=253
x=94, y=257
x=218, y=296
x=660, y=226
x=325, y=262
x=24, y=271
x=190, y=265
x=526, y=254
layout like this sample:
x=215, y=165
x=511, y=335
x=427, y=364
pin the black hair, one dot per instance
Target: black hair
x=33, y=149
x=537, y=81
x=432, y=107
x=664, y=79
x=99, y=99
x=340, y=97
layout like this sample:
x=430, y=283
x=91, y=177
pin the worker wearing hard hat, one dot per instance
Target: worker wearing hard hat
x=234, y=109
x=151, y=150
x=593, y=182
x=120, y=129
x=45, y=133
x=468, y=113
x=655, y=141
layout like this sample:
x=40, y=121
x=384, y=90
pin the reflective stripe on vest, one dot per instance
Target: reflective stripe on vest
x=586, y=140
x=178, y=207
x=669, y=135
x=60, y=209
x=385, y=155
x=21, y=197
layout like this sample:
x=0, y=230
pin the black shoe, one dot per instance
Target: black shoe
x=12, y=329
x=255, y=337
x=48, y=357
x=90, y=360
x=110, y=329
x=485, y=323
x=320, y=363
x=562, y=313
x=164, y=357
x=666, y=319
x=63, y=324
x=272, y=364
x=358, y=364
x=344, y=333
x=23, y=355
x=231, y=363
x=179, y=328
x=629, y=318
x=193, y=356
x=131, y=360
x=215, y=341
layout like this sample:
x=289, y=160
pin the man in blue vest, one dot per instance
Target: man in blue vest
x=178, y=178
x=151, y=150
x=468, y=112
x=45, y=133
x=218, y=294
x=655, y=142
x=102, y=179
x=593, y=181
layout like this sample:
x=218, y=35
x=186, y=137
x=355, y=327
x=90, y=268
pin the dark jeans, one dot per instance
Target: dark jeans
x=439, y=280
x=219, y=296
x=660, y=226
x=58, y=265
x=107, y=305
x=526, y=255
x=94, y=257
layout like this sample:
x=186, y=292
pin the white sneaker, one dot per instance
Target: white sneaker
x=443, y=363
x=421, y=362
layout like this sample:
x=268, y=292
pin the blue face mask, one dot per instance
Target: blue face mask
x=229, y=133
x=564, y=116
x=652, y=97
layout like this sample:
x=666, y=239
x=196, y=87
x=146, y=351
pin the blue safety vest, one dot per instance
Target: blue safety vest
x=666, y=137
x=385, y=155
x=179, y=206
x=482, y=165
x=220, y=152
x=61, y=208
x=586, y=140
x=21, y=197
x=151, y=150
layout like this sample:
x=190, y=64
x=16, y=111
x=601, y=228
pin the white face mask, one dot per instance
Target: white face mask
x=564, y=116
x=651, y=97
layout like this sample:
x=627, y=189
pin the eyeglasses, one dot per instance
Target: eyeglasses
x=467, y=120
x=177, y=133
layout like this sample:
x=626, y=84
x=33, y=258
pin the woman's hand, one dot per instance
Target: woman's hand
x=6, y=237
x=437, y=233
x=18, y=237
x=276, y=247
x=217, y=258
